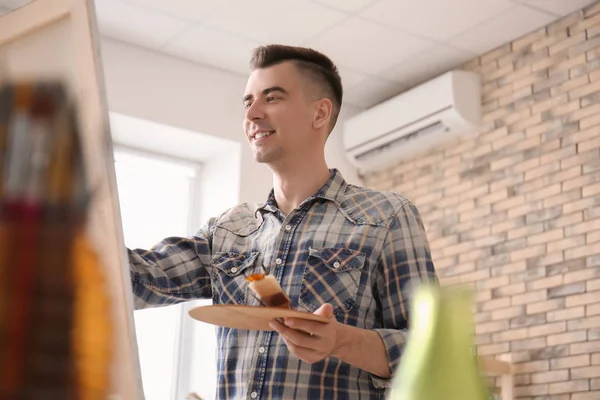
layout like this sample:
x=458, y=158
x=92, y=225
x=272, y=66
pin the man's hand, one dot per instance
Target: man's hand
x=311, y=341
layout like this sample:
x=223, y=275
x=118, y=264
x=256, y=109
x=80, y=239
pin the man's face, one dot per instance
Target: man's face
x=278, y=114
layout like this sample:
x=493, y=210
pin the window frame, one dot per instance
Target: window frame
x=179, y=379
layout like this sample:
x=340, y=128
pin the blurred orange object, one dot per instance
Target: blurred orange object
x=92, y=325
x=55, y=331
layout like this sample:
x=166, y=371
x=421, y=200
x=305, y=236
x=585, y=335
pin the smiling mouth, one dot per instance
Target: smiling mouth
x=261, y=135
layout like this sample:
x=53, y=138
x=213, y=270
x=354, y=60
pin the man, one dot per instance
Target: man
x=341, y=251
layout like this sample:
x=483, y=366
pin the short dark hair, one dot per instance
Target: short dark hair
x=316, y=65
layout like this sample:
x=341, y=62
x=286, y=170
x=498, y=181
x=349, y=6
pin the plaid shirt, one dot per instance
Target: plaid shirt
x=360, y=250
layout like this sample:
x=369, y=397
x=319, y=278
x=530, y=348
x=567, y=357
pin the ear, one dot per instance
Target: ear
x=322, y=113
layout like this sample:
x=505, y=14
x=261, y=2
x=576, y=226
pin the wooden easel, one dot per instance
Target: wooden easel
x=59, y=39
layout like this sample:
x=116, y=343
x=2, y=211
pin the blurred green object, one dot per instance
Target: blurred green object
x=439, y=361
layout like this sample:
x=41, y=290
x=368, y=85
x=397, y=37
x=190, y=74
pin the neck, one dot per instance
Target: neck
x=294, y=185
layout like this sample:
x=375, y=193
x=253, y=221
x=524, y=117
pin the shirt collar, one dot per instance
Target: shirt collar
x=332, y=190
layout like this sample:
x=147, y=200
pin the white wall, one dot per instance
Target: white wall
x=156, y=87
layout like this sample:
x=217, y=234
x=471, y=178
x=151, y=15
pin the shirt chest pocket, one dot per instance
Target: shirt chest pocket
x=332, y=275
x=230, y=270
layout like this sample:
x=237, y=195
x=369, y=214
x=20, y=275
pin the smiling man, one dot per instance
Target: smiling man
x=347, y=253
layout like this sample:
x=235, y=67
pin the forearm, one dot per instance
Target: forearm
x=172, y=271
x=363, y=349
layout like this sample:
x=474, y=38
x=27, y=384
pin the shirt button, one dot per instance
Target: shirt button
x=278, y=261
x=336, y=264
x=261, y=350
x=288, y=228
x=254, y=395
x=233, y=270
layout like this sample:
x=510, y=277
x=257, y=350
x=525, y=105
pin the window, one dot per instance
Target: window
x=156, y=196
x=162, y=196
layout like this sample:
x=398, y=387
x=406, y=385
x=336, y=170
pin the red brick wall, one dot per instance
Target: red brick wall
x=515, y=210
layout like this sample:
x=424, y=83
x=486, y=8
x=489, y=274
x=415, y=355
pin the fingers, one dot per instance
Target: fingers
x=298, y=337
x=316, y=328
x=326, y=310
x=311, y=341
x=306, y=355
x=299, y=343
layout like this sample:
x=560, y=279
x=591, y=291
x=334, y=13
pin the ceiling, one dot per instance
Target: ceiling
x=382, y=47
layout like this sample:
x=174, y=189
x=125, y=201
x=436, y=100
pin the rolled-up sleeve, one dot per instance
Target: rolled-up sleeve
x=405, y=262
x=174, y=270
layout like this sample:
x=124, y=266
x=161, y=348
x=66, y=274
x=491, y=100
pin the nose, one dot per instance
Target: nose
x=255, y=112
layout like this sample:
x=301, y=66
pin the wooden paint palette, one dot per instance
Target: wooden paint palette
x=247, y=317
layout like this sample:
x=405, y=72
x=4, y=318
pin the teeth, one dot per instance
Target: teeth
x=263, y=134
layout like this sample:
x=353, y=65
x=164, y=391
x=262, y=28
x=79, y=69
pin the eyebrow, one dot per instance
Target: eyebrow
x=266, y=92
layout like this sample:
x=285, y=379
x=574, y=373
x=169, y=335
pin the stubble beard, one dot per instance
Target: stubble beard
x=268, y=156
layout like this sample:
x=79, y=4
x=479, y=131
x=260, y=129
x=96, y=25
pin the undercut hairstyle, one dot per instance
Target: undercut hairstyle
x=315, y=66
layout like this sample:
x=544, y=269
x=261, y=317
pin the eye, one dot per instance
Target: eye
x=271, y=98
x=247, y=104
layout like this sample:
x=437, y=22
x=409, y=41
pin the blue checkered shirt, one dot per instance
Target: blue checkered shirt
x=360, y=250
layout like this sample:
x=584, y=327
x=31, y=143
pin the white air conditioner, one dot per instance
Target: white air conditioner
x=414, y=121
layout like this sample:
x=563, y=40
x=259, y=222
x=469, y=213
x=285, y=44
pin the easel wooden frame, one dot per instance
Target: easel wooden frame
x=504, y=368
x=20, y=57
